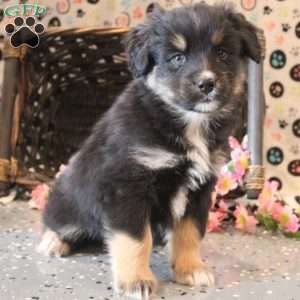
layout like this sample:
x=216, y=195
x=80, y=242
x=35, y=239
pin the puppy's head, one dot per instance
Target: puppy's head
x=193, y=57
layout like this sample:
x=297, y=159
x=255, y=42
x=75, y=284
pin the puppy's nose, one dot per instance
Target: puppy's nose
x=207, y=85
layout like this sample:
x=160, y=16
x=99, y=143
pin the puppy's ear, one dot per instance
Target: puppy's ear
x=139, y=42
x=138, y=50
x=249, y=36
x=155, y=8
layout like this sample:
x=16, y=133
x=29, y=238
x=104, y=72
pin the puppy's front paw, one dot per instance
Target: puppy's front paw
x=198, y=277
x=52, y=245
x=142, y=289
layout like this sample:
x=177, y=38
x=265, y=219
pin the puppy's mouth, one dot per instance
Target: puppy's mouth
x=207, y=105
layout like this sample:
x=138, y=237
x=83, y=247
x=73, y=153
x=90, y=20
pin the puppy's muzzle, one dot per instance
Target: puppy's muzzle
x=207, y=86
x=206, y=82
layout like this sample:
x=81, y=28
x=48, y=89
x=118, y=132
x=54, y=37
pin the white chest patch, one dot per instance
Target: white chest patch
x=179, y=203
x=201, y=168
x=155, y=158
x=198, y=154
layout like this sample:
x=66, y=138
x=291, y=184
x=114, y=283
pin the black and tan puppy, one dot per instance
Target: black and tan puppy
x=154, y=157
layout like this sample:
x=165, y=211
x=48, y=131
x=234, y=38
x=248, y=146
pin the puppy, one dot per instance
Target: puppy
x=154, y=157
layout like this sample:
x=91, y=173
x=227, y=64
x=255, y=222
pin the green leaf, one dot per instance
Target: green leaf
x=231, y=167
x=267, y=221
x=294, y=235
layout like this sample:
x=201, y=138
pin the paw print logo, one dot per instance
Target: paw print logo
x=267, y=10
x=285, y=27
x=54, y=22
x=295, y=72
x=296, y=128
x=80, y=13
x=276, y=89
x=24, y=32
x=283, y=124
x=294, y=167
x=297, y=30
x=296, y=13
x=275, y=156
x=278, y=59
x=276, y=179
x=248, y=4
x=293, y=112
x=295, y=149
x=295, y=51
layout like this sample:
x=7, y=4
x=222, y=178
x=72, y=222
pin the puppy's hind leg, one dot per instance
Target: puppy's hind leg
x=131, y=265
x=63, y=229
x=53, y=245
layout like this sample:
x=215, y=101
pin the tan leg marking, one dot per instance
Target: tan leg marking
x=131, y=265
x=52, y=245
x=188, y=266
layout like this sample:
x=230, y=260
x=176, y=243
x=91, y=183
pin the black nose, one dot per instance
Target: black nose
x=206, y=85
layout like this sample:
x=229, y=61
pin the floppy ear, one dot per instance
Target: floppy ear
x=139, y=42
x=251, y=46
x=138, y=50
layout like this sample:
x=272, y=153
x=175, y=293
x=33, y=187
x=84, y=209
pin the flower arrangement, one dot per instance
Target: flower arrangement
x=269, y=211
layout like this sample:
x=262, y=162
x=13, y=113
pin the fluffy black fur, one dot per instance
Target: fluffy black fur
x=105, y=188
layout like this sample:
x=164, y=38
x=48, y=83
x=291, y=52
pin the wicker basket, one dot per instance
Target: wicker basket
x=67, y=83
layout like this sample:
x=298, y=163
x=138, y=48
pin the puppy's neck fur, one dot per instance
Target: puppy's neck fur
x=193, y=137
x=195, y=124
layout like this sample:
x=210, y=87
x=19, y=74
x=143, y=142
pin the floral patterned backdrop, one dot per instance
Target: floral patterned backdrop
x=280, y=20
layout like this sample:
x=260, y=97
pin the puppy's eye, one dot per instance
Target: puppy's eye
x=178, y=60
x=222, y=54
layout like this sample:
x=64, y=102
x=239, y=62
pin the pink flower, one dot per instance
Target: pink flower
x=244, y=221
x=225, y=184
x=287, y=219
x=234, y=143
x=223, y=207
x=293, y=224
x=277, y=210
x=241, y=157
x=39, y=197
x=267, y=197
x=239, y=171
x=214, y=221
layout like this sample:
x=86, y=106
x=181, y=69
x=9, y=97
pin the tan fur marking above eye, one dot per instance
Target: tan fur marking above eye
x=179, y=42
x=131, y=261
x=239, y=82
x=217, y=37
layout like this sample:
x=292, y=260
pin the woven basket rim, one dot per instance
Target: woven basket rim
x=80, y=30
